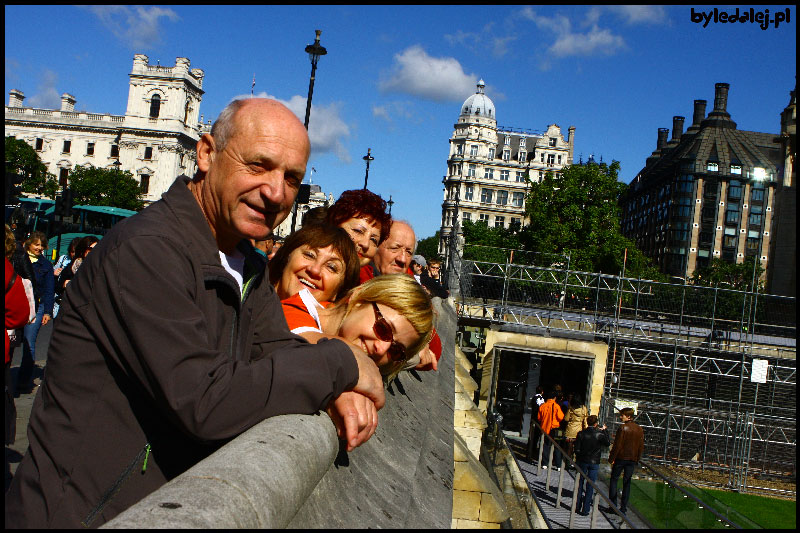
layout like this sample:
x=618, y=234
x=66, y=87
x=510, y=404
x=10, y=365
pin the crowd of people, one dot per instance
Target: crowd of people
x=566, y=419
x=190, y=322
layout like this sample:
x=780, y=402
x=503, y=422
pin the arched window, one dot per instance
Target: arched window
x=155, y=106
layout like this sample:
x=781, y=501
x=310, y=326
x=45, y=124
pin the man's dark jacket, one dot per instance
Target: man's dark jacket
x=589, y=445
x=156, y=357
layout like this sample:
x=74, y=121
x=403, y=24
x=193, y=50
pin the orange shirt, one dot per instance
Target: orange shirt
x=300, y=311
x=550, y=415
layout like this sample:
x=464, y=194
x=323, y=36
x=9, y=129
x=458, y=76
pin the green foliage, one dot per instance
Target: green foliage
x=99, y=186
x=575, y=213
x=22, y=159
x=737, y=276
x=479, y=233
x=429, y=247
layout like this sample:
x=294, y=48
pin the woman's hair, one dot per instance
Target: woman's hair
x=317, y=236
x=402, y=293
x=84, y=244
x=72, y=245
x=36, y=236
x=576, y=401
x=360, y=203
x=11, y=242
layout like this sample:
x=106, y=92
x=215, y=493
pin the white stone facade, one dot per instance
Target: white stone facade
x=155, y=139
x=486, y=166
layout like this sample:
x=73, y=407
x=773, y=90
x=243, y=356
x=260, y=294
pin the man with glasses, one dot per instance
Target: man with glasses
x=171, y=341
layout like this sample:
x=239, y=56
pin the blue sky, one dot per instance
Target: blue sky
x=395, y=77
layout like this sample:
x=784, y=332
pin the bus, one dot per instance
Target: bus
x=38, y=214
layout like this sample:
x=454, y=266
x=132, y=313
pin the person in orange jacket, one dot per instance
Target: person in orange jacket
x=550, y=417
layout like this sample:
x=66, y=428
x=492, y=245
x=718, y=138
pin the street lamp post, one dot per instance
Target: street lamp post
x=367, y=158
x=390, y=203
x=315, y=51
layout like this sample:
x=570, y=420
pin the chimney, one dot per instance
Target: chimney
x=677, y=128
x=15, y=98
x=663, y=133
x=699, y=112
x=721, y=97
x=67, y=102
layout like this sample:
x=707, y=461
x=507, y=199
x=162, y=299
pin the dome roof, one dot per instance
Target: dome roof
x=479, y=104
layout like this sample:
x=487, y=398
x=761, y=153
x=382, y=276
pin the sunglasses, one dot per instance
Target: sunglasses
x=383, y=330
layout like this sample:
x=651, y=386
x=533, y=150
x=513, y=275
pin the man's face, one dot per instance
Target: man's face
x=250, y=184
x=433, y=270
x=394, y=254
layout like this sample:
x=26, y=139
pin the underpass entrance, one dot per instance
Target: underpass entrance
x=521, y=370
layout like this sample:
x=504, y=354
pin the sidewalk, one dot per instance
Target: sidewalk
x=24, y=402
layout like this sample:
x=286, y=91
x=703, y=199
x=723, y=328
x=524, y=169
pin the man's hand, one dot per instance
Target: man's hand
x=370, y=383
x=45, y=319
x=427, y=360
x=355, y=418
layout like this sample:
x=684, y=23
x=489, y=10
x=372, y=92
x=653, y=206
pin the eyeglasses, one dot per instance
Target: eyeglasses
x=383, y=330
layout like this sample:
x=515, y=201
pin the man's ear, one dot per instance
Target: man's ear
x=205, y=151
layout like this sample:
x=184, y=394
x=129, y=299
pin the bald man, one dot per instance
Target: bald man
x=170, y=340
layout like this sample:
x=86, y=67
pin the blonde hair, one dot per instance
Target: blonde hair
x=11, y=242
x=402, y=293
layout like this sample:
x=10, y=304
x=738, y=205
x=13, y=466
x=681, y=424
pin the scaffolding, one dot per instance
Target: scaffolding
x=684, y=354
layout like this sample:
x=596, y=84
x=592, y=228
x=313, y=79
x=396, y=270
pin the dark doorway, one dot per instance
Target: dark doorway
x=520, y=373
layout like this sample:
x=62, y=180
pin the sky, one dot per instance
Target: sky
x=394, y=77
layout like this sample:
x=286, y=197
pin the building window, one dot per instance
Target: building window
x=155, y=106
x=751, y=246
x=731, y=216
x=468, y=192
x=522, y=156
x=729, y=241
x=114, y=150
x=504, y=175
x=502, y=197
x=755, y=215
x=486, y=196
x=499, y=222
x=89, y=148
x=736, y=169
x=506, y=155
x=67, y=147
x=734, y=190
x=144, y=183
x=551, y=159
x=553, y=141
x=62, y=177
x=459, y=149
x=483, y=217
x=148, y=152
x=491, y=153
x=508, y=141
x=515, y=223
x=471, y=170
x=488, y=174
x=520, y=177
x=517, y=199
x=522, y=142
x=39, y=144
x=712, y=167
x=466, y=217
x=559, y=159
x=757, y=195
x=473, y=150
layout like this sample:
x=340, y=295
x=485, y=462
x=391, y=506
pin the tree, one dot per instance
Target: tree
x=737, y=276
x=99, y=186
x=429, y=247
x=22, y=159
x=577, y=212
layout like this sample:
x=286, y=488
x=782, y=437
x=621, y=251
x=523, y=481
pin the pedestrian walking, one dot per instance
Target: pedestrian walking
x=589, y=445
x=575, y=417
x=625, y=454
x=550, y=417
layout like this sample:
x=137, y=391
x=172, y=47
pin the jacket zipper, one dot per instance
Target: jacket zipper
x=115, y=488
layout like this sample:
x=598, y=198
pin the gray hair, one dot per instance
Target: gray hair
x=222, y=130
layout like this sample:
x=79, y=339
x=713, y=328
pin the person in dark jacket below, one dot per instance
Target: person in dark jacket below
x=588, y=446
x=625, y=453
x=171, y=340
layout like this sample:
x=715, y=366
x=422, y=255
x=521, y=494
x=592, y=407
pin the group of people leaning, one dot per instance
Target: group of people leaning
x=178, y=333
x=567, y=420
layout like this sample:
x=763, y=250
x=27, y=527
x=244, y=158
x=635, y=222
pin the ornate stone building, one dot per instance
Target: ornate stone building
x=155, y=139
x=487, y=164
x=709, y=192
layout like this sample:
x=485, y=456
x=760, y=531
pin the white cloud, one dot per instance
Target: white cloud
x=595, y=41
x=635, y=14
x=441, y=79
x=326, y=128
x=480, y=42
x=138, y=27
x=47, y=96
